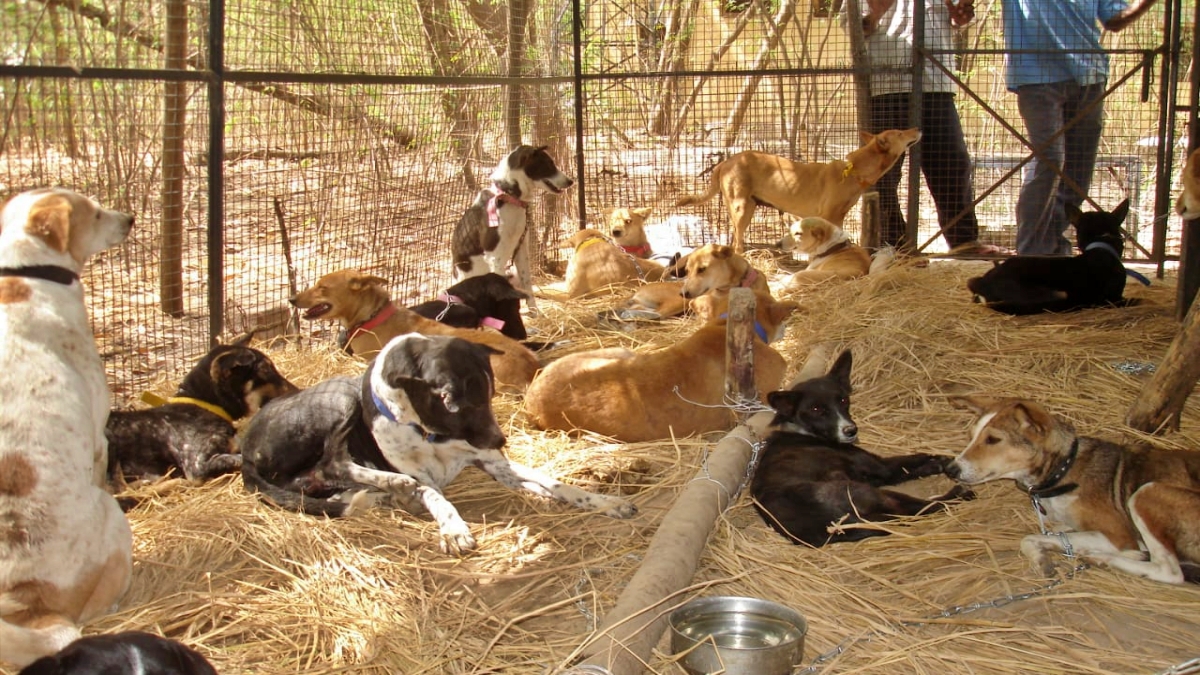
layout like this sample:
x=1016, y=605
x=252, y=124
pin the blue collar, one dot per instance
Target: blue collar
x=427, y=435
x=1108, y=247
x=758, y=328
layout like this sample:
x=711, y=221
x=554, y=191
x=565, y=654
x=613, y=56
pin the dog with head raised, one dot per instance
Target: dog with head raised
x=491, y=234
x=65, y=546
x=812, y=479
x=825, y=189
x=417, y=417
x=831, y=254
x=627, y=227
x=1134, y=508
x=1030, y=284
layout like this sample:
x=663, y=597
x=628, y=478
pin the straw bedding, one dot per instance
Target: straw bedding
x=258, y=590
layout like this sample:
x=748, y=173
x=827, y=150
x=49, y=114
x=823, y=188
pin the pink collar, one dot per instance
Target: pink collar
x=370, y=324
x=640, y=251
x=500, y=199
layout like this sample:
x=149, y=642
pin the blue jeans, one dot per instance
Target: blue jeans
x=1046, y=109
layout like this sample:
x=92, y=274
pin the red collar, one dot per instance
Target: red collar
x=367, y=326
x=500, y=199
x=748, y=280
x=640, y=251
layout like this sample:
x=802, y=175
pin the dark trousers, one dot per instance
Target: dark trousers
x=945, y=164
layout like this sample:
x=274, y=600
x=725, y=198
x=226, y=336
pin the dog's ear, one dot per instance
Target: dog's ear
x=1033, y=418
x=1073, y=213
x=784, y=402
x=976, y=404
x=841, y=368
x=866, y=137
x=242, y=340
x=644, y=212
x=1121, y=212
x=721, y=251
x=50, y=221
x=230, y=361
x=363, y=281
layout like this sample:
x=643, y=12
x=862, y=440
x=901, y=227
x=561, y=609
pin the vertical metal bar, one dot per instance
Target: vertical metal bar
x=915, y=108
x=216, y=169
x=1165, y=154
x=1189, y=245
x=577, y=72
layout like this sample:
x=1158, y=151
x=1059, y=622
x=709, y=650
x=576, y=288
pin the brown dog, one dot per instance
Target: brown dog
x=362, y=304
x=1188, y=204
x=1133, y=508
x=599, y=264
x=831, y=254
x=710, y=268
x=820, y=189
x=627, y=228
x=636, y=397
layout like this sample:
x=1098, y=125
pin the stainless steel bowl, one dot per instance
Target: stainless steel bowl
x=737, y=636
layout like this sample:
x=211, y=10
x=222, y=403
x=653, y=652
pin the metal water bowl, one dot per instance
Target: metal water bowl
x=737, y=636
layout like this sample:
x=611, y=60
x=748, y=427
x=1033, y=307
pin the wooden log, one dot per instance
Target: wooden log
x=739, y=347
x=174, y=133
x=1161, y=402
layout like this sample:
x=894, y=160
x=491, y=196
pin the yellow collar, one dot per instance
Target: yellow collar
x=849, y=170
x=214, y=409
x=588, y=242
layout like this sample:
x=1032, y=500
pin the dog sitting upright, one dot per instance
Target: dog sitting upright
x=812, y=478
x=491, y=234
x=488, y=300
x=418, y=416
x=192, y=434
x=65, y=546
x=1134, y=508
x=1028, y=284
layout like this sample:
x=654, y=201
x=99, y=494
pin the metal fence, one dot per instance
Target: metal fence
x=262, y=144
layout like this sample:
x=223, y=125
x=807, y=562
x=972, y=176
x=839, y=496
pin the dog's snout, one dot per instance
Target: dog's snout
x=952, y=469
x=850, y=430
x=489, y=439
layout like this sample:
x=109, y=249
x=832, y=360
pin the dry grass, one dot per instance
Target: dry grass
x=259, y=590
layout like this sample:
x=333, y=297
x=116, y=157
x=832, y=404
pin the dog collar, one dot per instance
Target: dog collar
x=1105, y=246
x=748, y=278
x=427, y=435
x=59, y=275
x=588, y=242
x=500, y=198
x=849, y=170
x=492, y=322
x=758, y=329
x=845, y=243
x=642, y=251
x=1049, y=487
x=450, y=300
x=382, y=315
x=214, y=409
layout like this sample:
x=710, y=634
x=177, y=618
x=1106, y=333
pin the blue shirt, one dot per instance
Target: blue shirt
x=1068, y=27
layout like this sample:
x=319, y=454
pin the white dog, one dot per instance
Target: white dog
x=65, y=546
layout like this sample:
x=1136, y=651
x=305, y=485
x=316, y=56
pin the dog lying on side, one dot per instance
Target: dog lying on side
x=812, y=478
x=599, y=265
x=192, y=434
x=1188, y=204
x=491, y=234
x=65, y=546
x=129, y=653
x=710, y=268
x=416, y=418
x=488, y=300
x=831, y=254
x=1027, y=284
x=828, y=190
x=632, y=397
x=362, y=305
x=1133, y=508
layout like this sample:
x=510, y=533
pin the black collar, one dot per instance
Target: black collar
x=59, y=275
x=1049, y=487
x=428, y=436
x=845, y=243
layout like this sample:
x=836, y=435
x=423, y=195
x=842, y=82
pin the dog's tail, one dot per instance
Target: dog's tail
x=294, y=501
x=882, y=259
x=714, y=186
x=21, y=645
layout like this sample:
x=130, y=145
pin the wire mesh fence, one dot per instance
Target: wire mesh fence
x=353, y=134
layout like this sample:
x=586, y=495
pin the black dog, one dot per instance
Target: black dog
x=486, y=300
x=131, y=653
x=193, y=434
x=418, y=416
x=811, y=475
x=1034, y=284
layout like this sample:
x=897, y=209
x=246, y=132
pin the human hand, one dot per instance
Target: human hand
x=962, y=12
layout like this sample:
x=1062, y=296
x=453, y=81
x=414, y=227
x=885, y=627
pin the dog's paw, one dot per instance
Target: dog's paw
x=457, y=541
x=615, y=507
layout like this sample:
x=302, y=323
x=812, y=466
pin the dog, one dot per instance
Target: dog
x=812, y=479
x=627, y=228
x=360, y=302
x=491, y=234
x=636, y=397
x=1133, y=508
x=488, y=300
x=1028, y=284
x=418, y=416
x=1188, y=203
x=717, y=267
x=831, y=254
x=128, y=653
x=828, y=190
x=598, y=265
x=192, y=433
x=65, y=546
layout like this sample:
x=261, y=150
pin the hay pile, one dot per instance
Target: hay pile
x=258, y=590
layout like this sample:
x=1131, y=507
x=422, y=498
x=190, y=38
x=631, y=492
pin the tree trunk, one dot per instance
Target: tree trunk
x=787, y=10
x=1161, y=401
x=674, y=54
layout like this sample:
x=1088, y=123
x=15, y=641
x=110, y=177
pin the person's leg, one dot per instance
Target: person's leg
x=890, y=111
x=947, y=168
x=1038, y=210
x=1082, y=144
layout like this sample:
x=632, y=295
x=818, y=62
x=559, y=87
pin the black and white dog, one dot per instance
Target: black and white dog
x=1030, y=284
x=491, y=234
x=418, y=416
x=811, y=477
x=129, y=653
x=485, y=300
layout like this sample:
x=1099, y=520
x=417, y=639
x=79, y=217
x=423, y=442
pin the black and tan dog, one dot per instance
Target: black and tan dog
x=1030, y=284
x=192, y=433
x=812, y=478
x=1133, y=508
x=128, y=653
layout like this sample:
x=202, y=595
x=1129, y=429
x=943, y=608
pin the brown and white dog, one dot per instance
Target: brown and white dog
x=598, y=264
x=1188, y=204
x=1133, y=508
x=831, y=254
x=712, y=268
x=636, y=397
x=628, y=230
x=491, y=234
x=65, y=546
x=361, y=303
x=820, y=189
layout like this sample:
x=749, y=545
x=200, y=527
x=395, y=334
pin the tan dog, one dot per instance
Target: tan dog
x=636, y=397
x=831, y=254
x=1133, y=508
x=715, y=267
x=820, y=189
x=627, y=228
x=65, y=546
x=1188, y=204
x=599, y=265
x=664, y=298
x=360, y=302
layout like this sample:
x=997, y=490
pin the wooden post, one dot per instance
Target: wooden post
x=869, y=235
x=739, y=346
x=1161, y=401
x=175, y=94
